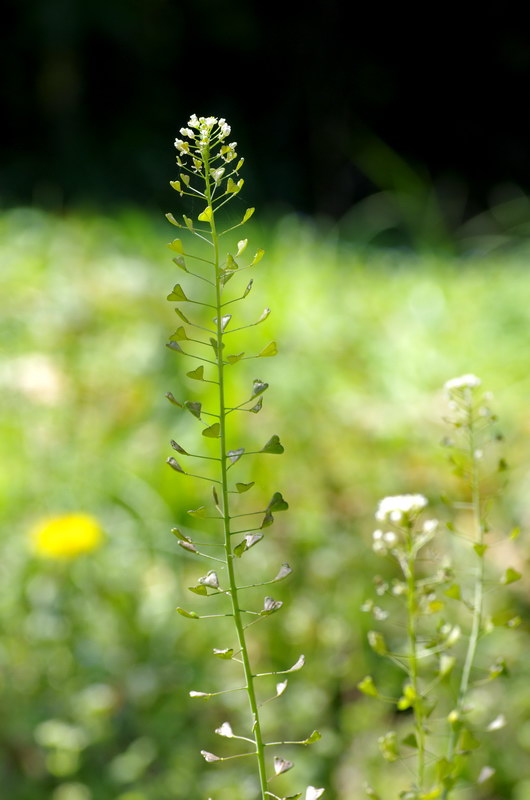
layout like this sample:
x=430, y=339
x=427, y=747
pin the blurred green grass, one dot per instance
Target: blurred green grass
x=367, y=338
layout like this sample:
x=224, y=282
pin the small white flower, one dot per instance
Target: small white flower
x=377, y=535
x=193, y=121
x=398, y=506
x=209, y=121
x=468, y=381
x=390, y=538
x=217, y=174
x=187, y=132
x=430, y=525
x=225, y=130
x=182, y=147
x=378, y=547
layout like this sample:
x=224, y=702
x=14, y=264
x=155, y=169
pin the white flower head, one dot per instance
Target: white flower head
x=397, y=507
x=182, y=147
x=461, y=383
x=193, y=121
x=187, y=132
x=430, y=526
x=225, y=129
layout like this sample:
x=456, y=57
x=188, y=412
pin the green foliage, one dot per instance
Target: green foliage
x=433, y=629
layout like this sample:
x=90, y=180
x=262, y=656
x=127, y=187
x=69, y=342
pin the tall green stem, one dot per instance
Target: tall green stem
x=478, y=599
x=413, y=658
x=233, y=589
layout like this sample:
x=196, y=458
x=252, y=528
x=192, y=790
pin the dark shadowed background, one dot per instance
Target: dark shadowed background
x=93, y=92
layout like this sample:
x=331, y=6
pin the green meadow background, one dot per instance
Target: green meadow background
x=95, y=664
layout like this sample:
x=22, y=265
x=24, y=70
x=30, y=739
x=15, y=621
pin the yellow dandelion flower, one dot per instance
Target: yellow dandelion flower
x=66, y=536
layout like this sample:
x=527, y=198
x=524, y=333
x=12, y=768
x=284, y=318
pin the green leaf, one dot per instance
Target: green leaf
x=231, y=264
x=180, y=535
x=277, y=503
x=171, y=218
x=244, y=487
x=181, y=314
x=270, y=350
x=314, y=737
x=185, y=178
x=515, y=533
x=259, y=387
x=231, y=187
x=180, y=335
x=188, y=614
x=197, y=512
x=179, y=261
x=176, y=245
x=177, y=293
x=194, y=408
x=213, y=431
x=467, y=741
x=273, y=446
x=235, y=358
x=480, y=549
x=206, y=215
x=196, y=374
x=377, y=643
x=174, y=465
x=268, y=519
x=257, y=257
x=443, y=768
x=247, y=215
x=201, y=590
x=453, y=592
x=510, y=576
x=248, y=541
x=235, y=455
x=172, y=400
x=367, y=686
x=226, y=654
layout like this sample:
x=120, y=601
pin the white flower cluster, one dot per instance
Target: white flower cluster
x=382, y=541
x=205, y=133
x=395, y=508
x=468, y=381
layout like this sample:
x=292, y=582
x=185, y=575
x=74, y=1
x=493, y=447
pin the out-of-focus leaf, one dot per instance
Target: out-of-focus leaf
x=225, y=653
x=257, y=257
x=268, y=519
x=273, y=446
x=314, y=737
x=377, y=642
x=197, y=512
x=176, y=246
x=233, y=359
x=180, y=335
x=247, y=215
x=194, y=408
x=367, y=686
x=196, y=374
x=173, y=463
x=188, y=614
x=172, y=400
x=277, y=503
x=510, y=576
x=244, y=487
x=213, y=431
x=178, y=293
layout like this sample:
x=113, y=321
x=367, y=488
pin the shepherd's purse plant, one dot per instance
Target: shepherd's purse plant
x=209, y=173
x=441, y=590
